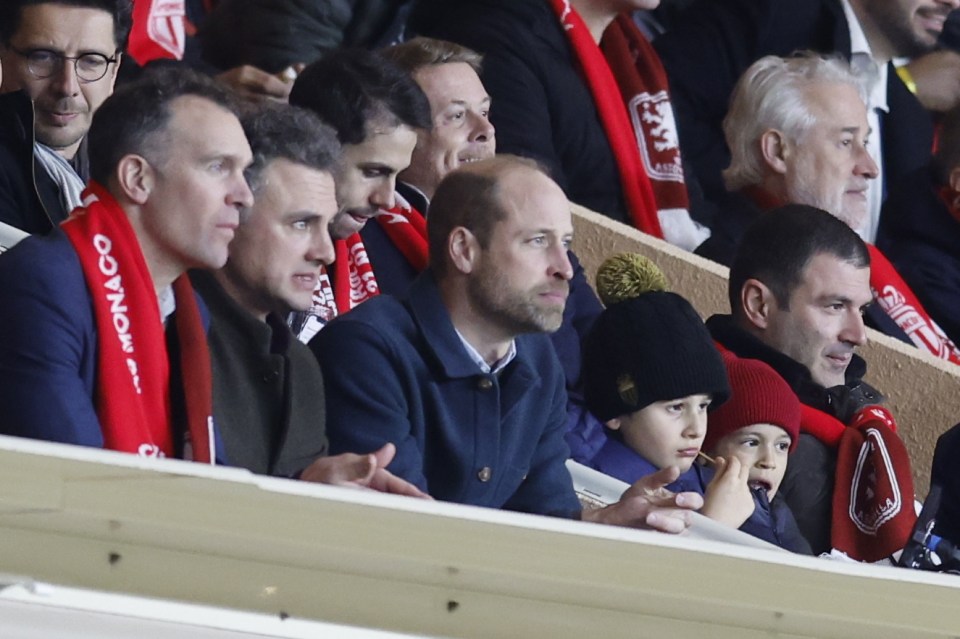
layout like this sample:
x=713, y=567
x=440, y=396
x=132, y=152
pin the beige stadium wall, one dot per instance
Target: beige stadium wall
x=923, y=392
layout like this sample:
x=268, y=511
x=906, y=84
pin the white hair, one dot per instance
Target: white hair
x=771, y=94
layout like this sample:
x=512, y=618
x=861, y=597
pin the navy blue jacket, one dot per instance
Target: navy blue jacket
x=396, y=371
x=395, y=275
x=773, y=523
x=922, y=239
x=48, y=352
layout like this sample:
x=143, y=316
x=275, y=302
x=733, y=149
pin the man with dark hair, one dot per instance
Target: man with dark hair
x=267, y=389
x=459, y=372
x=104, y=342
x=376, y=109
x=798, y=287
x=797, y=132
x=60, y=59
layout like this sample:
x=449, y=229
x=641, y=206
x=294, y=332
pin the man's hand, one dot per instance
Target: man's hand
x=362, y=471
x=937, y=76
x=728, y=499
x=252, y=82
x=648, y=504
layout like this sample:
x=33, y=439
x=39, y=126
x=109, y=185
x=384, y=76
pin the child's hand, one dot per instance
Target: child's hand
x=727, y=498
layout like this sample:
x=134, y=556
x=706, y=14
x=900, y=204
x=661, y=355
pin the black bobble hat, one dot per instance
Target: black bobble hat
x=646, y=346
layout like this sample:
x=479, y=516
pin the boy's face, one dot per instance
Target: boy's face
x=667, y=433
x=763, y=449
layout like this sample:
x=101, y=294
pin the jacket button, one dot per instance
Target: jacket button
x=271, y=376
x=485, y=474
x=484, y=383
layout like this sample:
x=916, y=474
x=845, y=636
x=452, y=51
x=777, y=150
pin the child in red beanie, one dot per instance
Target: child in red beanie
x=759, y=425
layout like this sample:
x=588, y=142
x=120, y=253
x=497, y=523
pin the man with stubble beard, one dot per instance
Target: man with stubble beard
x=459, y=373
x=60, y=59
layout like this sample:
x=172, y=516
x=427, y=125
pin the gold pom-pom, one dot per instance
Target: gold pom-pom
x=627, y=275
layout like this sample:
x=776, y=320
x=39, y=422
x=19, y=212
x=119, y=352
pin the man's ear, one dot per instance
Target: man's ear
x=135, y=178
x=773, y=146
x=756, y=303
x=463, y=250
x=954, y=178
x=614, y=424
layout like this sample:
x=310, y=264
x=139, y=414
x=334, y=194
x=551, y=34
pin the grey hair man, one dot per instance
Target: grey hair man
x=797, y=132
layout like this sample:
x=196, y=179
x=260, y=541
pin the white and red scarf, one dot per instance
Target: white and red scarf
x=354, y=281
x=159, y=30
x=894, y=296
x=630, y=90
x=407, y=229
x=132, y=395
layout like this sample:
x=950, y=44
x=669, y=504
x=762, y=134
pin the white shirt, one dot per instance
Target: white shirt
x=873, y=75
x=498, y=366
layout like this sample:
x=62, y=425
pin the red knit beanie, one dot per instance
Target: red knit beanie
x=758, y=395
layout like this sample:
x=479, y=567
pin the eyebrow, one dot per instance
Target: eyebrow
x=61, y=52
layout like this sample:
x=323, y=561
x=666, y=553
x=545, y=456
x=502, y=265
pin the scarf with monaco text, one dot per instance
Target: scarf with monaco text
x=625, y=142
x=132, y=394
x=894, y=296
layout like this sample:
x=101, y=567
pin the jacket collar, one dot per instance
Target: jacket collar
x=431, y=315
x=272, y=336
x=725, y=331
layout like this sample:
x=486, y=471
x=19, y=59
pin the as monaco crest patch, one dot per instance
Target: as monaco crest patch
x=166, y=26
x=656, y=132
x=875, y=495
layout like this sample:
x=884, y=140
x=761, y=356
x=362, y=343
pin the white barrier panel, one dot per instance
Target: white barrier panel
x=222, y=537
x=30, y=610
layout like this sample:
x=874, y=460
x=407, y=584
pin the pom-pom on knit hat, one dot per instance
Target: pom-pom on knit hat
x=647, y=345
x=758, y=395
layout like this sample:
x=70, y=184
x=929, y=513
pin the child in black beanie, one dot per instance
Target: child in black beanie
x=650, y=372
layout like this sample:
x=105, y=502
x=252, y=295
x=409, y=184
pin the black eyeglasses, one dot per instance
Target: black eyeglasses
x=42, y=63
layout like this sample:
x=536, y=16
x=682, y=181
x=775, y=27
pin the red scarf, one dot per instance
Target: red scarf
x=873, y=512
x=132, y=395
x=899, y=302
x=353, y=280
x=637, y=188
x=159, y=30
x=642, y=78
x=407, y=229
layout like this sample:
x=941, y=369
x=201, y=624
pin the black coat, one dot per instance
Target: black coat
x=29, y=198
x=268, y=400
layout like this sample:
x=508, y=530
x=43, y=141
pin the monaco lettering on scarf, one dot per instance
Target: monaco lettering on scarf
x=357, y=283
x=894, y=296
x=132, y=395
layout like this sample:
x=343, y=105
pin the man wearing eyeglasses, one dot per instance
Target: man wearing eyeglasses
x=60, y=60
